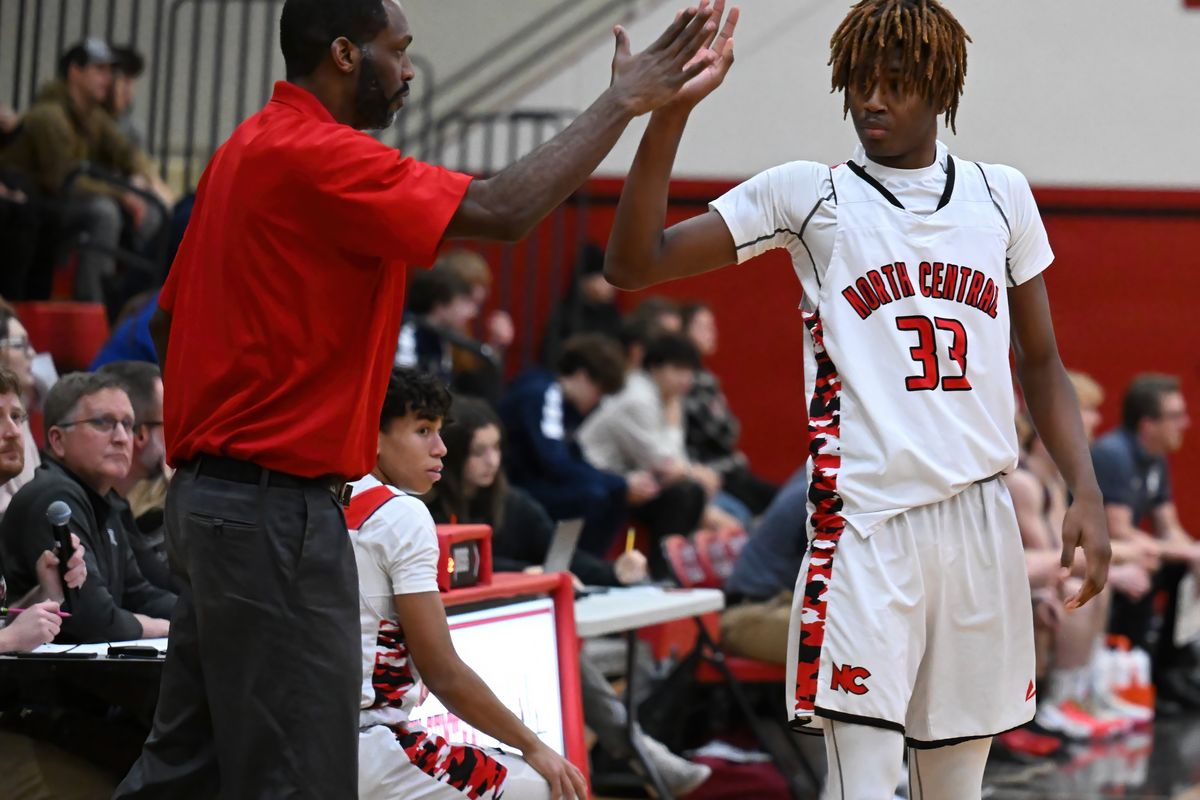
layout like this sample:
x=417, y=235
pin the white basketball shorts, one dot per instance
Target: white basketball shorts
x=404, y=762
x=924, y=627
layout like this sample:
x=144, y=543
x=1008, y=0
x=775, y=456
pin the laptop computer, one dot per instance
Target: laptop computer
x=562, y=546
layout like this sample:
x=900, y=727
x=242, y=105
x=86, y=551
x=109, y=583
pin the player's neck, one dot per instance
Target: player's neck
x=918, y=158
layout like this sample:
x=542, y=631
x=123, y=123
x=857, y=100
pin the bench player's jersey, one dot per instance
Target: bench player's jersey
x=905, y=272
x=396, y=550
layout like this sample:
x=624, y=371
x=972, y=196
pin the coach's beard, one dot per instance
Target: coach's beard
x=373, y=107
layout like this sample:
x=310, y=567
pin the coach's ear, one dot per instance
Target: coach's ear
x=345, y=54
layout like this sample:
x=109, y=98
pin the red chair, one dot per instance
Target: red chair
x=685, y=563
x=735, y=541
x=71, y=332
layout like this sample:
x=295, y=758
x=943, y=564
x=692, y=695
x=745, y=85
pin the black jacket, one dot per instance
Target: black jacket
x=103, y=608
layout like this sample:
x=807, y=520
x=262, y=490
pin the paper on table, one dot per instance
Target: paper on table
x=101, y=648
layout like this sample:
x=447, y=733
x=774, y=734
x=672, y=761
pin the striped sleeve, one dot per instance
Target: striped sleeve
x=769, y=210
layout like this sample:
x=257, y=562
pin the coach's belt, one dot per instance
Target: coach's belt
x=231, y=469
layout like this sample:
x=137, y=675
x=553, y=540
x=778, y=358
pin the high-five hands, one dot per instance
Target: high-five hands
x=654, y=77
x=716, y=56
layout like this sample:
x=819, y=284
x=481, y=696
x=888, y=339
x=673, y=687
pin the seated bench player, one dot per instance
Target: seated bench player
x=406, y=639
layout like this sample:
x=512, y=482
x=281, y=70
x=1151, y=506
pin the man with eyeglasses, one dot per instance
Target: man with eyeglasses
x=89, y=425
x=1131, y=467
x=143, y=383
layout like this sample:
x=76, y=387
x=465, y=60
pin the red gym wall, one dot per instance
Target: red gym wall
x=1124, y=288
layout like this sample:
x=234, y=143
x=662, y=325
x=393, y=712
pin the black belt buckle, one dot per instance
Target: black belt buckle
x=342, y=492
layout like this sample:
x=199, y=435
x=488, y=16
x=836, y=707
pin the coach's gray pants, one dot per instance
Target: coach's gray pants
x=260, y=692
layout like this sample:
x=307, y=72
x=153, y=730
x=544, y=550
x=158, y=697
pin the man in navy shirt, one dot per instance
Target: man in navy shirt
x=541, y=414
x=1131, y=468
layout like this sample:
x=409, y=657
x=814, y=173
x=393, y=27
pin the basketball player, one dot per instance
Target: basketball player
x=911, y=623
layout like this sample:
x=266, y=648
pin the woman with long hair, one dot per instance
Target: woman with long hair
x=473, y=490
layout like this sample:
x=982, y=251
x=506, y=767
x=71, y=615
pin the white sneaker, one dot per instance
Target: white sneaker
x=680, y=775
x=1052, y=718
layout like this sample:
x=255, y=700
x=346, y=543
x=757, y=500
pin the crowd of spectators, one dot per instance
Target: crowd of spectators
x=1098, y=664
x=77, y=186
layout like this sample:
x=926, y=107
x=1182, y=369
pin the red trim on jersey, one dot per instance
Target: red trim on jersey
x=364, y=505
x=824, y=434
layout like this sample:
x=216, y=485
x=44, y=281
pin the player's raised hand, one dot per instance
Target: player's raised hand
x=716, y=55
x=1086, y=526
x=653, y=77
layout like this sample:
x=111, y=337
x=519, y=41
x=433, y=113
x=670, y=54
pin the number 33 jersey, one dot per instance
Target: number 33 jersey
x=905, y=276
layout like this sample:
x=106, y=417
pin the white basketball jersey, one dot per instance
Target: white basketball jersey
x=907, y=373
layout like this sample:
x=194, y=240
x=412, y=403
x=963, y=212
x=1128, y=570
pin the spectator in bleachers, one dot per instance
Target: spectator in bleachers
x=128, y=65
x=1131, y=467
x=542, y=413
x=589, y=306
x=640, y=430
x=661, y=313
x=476, y=374
x=88, y=423
x=473, y=489
x=653, y=317
x=40, y=623
x=16, y=353
x=146, y=476
x=439, y=303
x=498, y=331
x=130, y=339
x=759, y=590
x=710, y=425
x=66, y=127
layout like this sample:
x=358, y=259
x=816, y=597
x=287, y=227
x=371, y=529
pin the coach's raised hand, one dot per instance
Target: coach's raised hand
x=507, y=205
x=655, y=76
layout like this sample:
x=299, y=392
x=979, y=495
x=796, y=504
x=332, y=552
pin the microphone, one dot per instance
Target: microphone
x=58, y=514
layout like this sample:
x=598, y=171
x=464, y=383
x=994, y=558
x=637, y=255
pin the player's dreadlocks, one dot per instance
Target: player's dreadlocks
x=931, y=42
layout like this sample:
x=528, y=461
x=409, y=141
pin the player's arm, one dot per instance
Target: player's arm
x=508, y=205
x=1055, y=411
x=427, y=635
x=640, y=252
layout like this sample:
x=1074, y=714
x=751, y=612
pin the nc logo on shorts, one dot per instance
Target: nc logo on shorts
x=850, y=679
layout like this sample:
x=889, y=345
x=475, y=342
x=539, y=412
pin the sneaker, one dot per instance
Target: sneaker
x=1107, y=703
x=1101, y=728
x=680, y=775
x=1052, y=718
x=1023, y=741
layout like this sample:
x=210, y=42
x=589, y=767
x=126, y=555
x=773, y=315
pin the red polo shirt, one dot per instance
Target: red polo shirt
x=287, y=292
